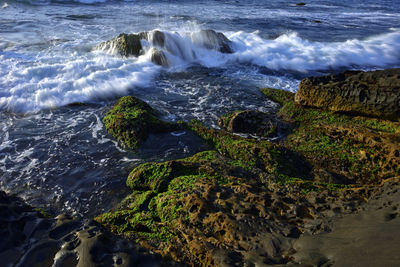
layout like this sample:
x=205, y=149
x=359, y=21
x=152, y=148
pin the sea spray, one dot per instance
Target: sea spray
x=56, y=78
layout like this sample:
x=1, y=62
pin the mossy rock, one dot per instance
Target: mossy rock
x=131, y=120
x=187, y=209
x=351, y=149
x=191, y=209
x=151, y=212
x=156, y=176
x=125, y=44
x=250, y=153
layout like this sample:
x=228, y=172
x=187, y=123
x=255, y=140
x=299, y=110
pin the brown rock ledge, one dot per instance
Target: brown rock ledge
x=372, y=94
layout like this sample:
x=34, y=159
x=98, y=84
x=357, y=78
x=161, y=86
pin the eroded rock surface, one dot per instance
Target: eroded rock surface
x=242, y=204
x=375, y=93
x=371, y=237
x=245, y=201
x=30, y=237
x=342, y=148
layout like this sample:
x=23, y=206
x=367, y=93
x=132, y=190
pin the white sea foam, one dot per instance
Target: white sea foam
x=290, y=52
x=55, y=81
x=54, y=78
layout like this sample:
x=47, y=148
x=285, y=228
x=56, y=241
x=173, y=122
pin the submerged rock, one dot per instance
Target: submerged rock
x=131, y=120
x=211, y=39
x=159, y=43
x=158, y=57
x=124, y=45
x=250, y=122
x=374, y=93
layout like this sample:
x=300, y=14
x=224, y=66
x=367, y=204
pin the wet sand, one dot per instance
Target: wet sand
x=369, y=238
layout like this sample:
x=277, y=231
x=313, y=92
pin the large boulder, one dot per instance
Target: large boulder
x=372, y=94
x=211, y=39
x=158, y=57
x=161, y=43
x=124, y=45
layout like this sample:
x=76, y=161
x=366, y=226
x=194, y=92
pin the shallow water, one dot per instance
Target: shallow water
x=60, y=157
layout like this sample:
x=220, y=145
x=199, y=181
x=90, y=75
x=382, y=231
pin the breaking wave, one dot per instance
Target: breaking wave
x=30, y=82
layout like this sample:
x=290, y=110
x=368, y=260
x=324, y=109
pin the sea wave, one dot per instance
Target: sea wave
x=287, y=52
x=291, y=52
x=56, y=78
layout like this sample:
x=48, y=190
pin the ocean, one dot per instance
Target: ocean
x=58, y=156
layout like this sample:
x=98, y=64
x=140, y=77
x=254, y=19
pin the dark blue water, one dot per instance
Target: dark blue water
x=61, y=157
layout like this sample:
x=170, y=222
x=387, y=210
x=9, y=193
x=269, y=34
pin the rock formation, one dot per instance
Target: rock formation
x=31, y=237
x=375, y=94
x=246, y=201
x=242, y=202
x=124, y=45
x=250, y=122
x=131, y=120
x=211, y=39
x=161, y=43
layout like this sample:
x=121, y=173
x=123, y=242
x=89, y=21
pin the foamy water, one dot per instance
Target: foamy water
x=56, y=79
x=61, y=157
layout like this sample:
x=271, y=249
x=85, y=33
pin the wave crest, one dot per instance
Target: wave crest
x=57, y=77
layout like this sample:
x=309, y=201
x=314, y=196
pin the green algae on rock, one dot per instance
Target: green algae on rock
x=208, y=210
x=342, y=148
x=250, y=153
x=131, y=120
x=196, y=210
x=124, y=44
x=246, y=199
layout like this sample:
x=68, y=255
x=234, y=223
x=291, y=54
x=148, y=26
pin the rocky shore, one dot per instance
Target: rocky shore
x=31, y=237
x=250, y=201
x=316, y=184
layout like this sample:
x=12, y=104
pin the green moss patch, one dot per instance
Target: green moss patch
x=350, y=148
x=250, y=153
x=131, y=120
x=189, y=207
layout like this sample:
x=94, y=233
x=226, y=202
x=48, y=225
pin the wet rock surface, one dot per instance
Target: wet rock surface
x=131, y=121
x=161, y=43
x=124, y=44
x=374, y=93
x=250, y=122
x=30, y=237
x=242, y=202
x=247, y=201
x=205, y=211
x=343, y=149
x=370, y=237
x=211, y=39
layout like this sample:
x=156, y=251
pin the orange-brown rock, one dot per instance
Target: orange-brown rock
x=374, y=94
